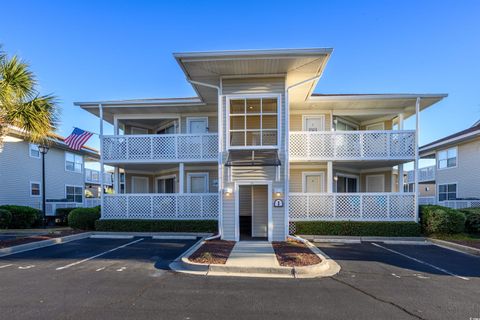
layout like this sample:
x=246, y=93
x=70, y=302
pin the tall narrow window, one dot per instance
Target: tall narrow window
x=73, y=162
x=33, y=151
x=253, y=122
x=35, y=189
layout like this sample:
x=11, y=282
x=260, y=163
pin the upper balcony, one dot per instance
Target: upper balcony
x=352, y=145
x=160, y=148
x=93, y=177
x=425, y=174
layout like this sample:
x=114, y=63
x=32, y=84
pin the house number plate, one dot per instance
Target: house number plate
x=278, y=203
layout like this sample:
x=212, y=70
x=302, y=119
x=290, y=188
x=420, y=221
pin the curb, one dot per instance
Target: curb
x=455, y=246
x=357, y=239
x=41, y=244
x=326, y=268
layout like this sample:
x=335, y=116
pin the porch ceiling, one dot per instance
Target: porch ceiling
x=152, y=168
x=366, y=165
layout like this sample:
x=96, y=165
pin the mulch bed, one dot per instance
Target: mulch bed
x=213, y=252
x=23, y=240
x=294, y=254
x=468, y=243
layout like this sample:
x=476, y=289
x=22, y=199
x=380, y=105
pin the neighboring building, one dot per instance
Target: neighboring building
x=456, y=174
x=257, y=149
x=21, y=173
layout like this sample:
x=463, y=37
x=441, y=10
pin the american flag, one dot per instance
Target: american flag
x=77, y=138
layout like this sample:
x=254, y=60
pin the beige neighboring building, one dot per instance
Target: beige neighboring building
x=256, y=148
x=456, y=174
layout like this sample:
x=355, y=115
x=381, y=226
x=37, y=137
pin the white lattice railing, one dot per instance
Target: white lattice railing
x=51, y=207
x=185, y=206
x=92, y=202
x=352, y=206
x=426, y=200
x=424, y=174
x=93, y=176
x=460, y=204
x=352, y=145
x=161, y=147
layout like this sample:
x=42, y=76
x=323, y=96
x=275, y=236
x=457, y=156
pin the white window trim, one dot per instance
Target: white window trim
x=197, y=174
x=446, y=184
x=140, y=178
x=30, y=145
x=75, y=186
x=351, y=176
x=170, y=176
x=313, y=173
x=145, y=131
x=74, y=155
x=306, y=117
x=375, y=175
x=39, y=188
x=254, y=96
x=446, y=150
x=190, y=119
x=375, y=124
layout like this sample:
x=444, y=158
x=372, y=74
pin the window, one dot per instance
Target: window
x=166, y=184
x=447, y=158
x=73, y=162
x=376, y=126
x=35, y=189
x=447, y=192
x=122, y=182
x=33, y=151
x=343, y=125
x=347, y=184
x=74, y=194
x=253, y=122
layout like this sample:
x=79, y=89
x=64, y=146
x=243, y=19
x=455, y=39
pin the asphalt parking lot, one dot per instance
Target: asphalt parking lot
x=129, y=279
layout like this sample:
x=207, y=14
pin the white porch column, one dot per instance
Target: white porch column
x=102, y=169
x=417, y=128
x=400, y=166
x=329, y=176
x=116, y=180
x=181, y=177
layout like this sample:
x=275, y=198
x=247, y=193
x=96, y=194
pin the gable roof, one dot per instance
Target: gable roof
x=461, y=136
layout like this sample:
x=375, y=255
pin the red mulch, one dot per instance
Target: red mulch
x=18, y=241
x=468, y=243
x=294, y=254
x=213, y=252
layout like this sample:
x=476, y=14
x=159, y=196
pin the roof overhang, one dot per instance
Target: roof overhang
x=295, y=65
x=367, y=107
x=429, y=149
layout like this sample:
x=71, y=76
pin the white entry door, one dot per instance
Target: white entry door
x=314, y=123
x=139, y=185
x=376, y=183
x=197, y=182
x=313, y=182
x=197, y=125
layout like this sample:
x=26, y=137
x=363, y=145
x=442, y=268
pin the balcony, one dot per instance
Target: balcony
x=352, y=206
x=424, y=175
x=160, y=148
x=93, y=177
x=352, y=145
x=163, y=206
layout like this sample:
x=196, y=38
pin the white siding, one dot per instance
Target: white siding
x=17, y=169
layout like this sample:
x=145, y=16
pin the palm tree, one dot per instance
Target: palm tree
x=21, y=105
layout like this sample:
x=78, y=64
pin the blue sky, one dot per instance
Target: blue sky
x=100, y=50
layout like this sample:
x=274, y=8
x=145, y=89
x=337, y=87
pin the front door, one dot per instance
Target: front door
x=253, y=211
x=314, y=123
x=197, y=125
x=139, y=185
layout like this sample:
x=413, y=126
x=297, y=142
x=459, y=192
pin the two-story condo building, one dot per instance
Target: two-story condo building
x=66, y=176
x=257, y=148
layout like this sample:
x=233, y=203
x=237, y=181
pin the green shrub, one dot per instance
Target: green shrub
x=83, y=218
x=438, y=219
x=5, y=218
x=358, y=228
x=22, y=216
x=472, y=224
x=61, y=215
x=157, y=225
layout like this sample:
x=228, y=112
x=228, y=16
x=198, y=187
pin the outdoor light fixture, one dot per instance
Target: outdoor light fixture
x=228, y=191
x=278, y=191
x=43, y=149
x=335, y=178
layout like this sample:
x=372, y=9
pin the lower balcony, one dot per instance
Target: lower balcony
x=352, y=206
x=161, y=206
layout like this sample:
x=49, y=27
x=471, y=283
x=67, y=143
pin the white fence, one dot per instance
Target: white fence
x=352, y=206
x=161, y=148
x=426, y=200
x=454, y=204
x=352, y=145
x=51, y=207
x=185, y=206
x=93, y=176
x=424, y=174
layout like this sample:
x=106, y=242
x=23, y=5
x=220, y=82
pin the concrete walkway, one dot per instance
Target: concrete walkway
x=252, y=254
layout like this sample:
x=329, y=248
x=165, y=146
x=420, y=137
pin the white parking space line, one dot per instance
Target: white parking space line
x=110, y=236
x=174, y=237
x=421, y=262
x=26, y=267
x=98, y=255
x=5, y=266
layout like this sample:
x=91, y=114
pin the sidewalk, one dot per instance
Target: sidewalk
x=253, y=254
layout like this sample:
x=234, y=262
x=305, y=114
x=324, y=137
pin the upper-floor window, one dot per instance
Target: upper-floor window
x=447, y=158
x=33, y=150
x=253, y=122
x=73, y=162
